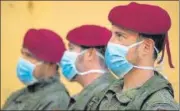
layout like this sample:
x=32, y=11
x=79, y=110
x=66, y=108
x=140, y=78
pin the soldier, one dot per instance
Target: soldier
x=38, y=70
x=84, y=62
x=139, y=35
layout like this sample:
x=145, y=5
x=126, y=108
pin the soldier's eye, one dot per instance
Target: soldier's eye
x=70, y=48
x=28, y=55
x=118, y=35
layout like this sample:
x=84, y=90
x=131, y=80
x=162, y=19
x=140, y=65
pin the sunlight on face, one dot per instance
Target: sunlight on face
x=123, y=36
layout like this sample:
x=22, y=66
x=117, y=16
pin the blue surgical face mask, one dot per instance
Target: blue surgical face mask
x=25, y=71
x=115, y=58
x=68, y=66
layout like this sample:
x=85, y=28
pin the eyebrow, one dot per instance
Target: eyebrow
x=70, y=45
x=124, y=34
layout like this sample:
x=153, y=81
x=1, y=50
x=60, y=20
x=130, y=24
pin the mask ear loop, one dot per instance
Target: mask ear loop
x=135, y=44
x=100, y=55
x=159, y=67
x=74, y=65
x=90, y=71
x=82, y=52
x=143, y=67
x=157, y=51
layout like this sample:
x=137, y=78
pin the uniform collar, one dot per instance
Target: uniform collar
x=123, y=97
x=105, y=78
x=81, y=99
x=128, y=95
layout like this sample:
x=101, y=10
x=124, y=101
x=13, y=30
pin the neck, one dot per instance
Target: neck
x=87, y=79
x=49, y=72
x=137, y=77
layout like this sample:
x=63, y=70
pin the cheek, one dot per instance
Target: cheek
x=131, y=55
x=38, y=71
x=114, y=39
x=80, y=63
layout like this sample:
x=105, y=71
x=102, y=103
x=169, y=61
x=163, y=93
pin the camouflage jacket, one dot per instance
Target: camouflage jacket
x=155, y=94
x=47, y=94
x=82, y=99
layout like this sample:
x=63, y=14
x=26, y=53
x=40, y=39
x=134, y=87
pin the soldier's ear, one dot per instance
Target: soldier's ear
x=146, y=48
x=90, y=54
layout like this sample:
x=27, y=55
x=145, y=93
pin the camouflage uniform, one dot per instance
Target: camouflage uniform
x=82, y=99
x=156, y=93
x=49, y=94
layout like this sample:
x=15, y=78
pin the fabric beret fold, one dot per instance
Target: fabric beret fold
x=143, y=18
x=45, y=44
x=89, y=35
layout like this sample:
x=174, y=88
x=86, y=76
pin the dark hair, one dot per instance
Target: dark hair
x=57, y=67
x=100, y=49
x=159, y=40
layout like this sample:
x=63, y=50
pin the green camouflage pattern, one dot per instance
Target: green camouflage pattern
x=49, y=94
x=81, y=100
x=155, y=94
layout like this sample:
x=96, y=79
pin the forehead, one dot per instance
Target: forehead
x=123, y=30
x=73, y=45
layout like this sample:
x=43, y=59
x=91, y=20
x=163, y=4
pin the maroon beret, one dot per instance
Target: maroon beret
x=143, y=18
x=89, y=35
x=45, y=44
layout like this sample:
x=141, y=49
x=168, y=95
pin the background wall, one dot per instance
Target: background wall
x=18, y=16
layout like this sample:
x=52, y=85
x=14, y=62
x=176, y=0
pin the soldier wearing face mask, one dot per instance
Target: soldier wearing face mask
x=140, y=33
x=84, y=62
x=37, y=69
